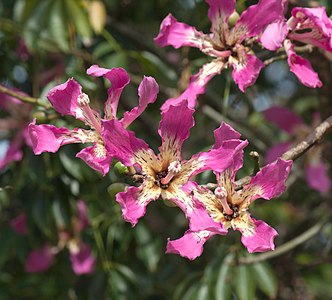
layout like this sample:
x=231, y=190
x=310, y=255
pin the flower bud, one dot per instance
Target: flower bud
x=120, y=169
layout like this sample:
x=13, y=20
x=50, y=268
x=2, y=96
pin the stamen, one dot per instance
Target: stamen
x=83, y=101
x=221, y=194
x=173, y=169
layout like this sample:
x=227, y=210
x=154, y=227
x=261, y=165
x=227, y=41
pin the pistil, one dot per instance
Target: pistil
x=221, y=194
x=84, y=101
x=174, y=168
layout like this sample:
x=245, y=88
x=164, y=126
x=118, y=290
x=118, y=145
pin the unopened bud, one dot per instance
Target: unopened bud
x=40, y=116
x=120, y=169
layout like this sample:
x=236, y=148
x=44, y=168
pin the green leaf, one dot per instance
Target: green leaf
x=223, y=289
x=265, y=279
x=79, y=16
x=149, y=248
x=245, y=283
x=58, y=26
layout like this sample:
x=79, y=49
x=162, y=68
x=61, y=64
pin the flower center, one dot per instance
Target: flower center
x=164, y=178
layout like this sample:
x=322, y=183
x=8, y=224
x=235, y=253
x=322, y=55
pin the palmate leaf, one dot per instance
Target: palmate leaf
x=245, y=284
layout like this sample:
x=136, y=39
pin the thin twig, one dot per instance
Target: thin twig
x=271, y=60
x=305, y=236
x=26, y=99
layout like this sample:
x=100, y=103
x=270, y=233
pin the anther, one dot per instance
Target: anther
x=83, y=99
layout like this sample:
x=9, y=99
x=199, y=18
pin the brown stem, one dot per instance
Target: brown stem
x=26, y=99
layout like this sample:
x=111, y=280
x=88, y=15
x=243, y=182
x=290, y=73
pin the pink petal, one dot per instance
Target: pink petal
x=147, y=91
x=13, y=152
x=245, y=74
x=321, y=35
x=257, y=17
x=261, y=240
x=19, y=224
x=82, y=215
x=122, y=143
x=48, y=138
x=223, y=133
x=83, y=262
x=270, y=181
x=100, y=164
x=301, y=67
x=64, y=98
x=318, y=178
x=197, y=84
x=132, y=208
x=177, y=34
x=190, y=245
x=175, y=125
x=284, y=118
x=276, y=151
x=219, y=12
x=221, y=158
x=118, y=78
x=39, y=260
x=274, y=35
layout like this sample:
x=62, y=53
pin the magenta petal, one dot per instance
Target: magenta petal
x=321, y=24
x=39, y=260
x=132, y=209
x=19, y=224
x=64, y=98
x=200, y=220
x=178, y=34
x=83, y=262
x=82, y=215
x=100, y=164
x=190, y=245
x=223, y=133
x=257, y=17
x=226, y=156
x=175, y=124
x=262, y=239
x=196, y=85
x=147, y=91
x=318, y=178
x=122, y=143
x=284, y=118
x=274, y=35
x=245, y=74
x=301, y=67
x=13, y=153
x=276, y=151
x=48, y=138
x=219, y=12
x=118, y=78
x=270, y=181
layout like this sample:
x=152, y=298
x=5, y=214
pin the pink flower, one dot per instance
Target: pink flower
x=68, y=99
x=216, y=212
x=308, y=26
x=316, y=169
x=81, y=256
x=82, y=259
x=40, y=259
x=19, y=224
x=14, y=127
x=164, y=174
x=224, y=44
